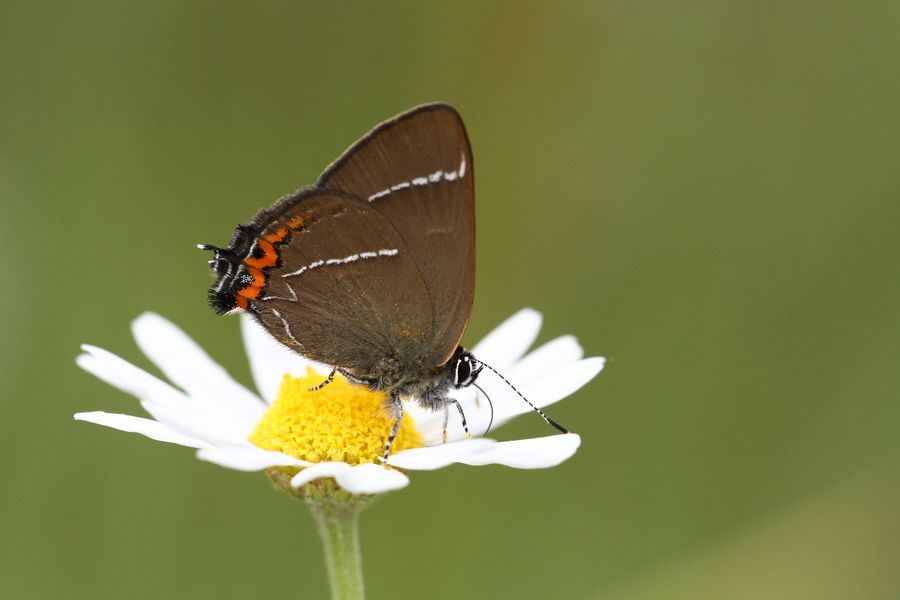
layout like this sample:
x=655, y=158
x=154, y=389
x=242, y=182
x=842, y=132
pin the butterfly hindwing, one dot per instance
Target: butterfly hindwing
x=345, y=290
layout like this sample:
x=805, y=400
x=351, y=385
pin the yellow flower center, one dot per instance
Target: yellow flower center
x=341, y=422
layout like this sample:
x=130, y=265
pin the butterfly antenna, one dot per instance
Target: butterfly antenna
x=550, y=421
x=491, y=404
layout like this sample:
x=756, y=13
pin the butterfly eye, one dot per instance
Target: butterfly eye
x=463, y=371
x=467, y=370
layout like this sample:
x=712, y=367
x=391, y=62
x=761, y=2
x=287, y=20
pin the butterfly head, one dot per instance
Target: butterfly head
x=465, y=368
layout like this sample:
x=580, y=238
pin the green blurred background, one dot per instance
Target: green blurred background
x=705, y=192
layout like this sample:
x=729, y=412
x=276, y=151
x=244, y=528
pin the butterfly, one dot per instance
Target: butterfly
x=371, y=269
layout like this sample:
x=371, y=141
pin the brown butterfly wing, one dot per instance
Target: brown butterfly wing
x=346, y=291
x=416, y=171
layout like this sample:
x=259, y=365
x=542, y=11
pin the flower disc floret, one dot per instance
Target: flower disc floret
x=340, y=422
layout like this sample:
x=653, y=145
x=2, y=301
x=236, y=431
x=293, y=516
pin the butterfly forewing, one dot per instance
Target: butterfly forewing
x=345, y=291
x=416, y=171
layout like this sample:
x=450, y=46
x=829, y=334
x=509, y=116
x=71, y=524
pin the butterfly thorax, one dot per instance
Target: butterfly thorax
x=429, y=388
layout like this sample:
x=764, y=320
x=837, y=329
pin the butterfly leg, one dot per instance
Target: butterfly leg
x=462, y=416
x=369, y=383
x=446, y=421
x=398, y=407
x=328, y=380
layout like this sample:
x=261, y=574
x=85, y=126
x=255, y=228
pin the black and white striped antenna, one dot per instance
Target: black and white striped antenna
x=549, y=421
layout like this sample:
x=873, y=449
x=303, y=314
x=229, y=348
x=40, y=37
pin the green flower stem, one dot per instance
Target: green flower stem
x=336, y=512
x=337, y=516
x=340, y=536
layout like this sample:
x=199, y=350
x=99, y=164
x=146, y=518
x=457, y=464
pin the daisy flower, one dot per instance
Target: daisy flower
x=338, y=432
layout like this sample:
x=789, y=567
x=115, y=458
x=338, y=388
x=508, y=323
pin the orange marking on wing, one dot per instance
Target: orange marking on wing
x=277, y=236
x=241, y=302
x=296, y=223
x=268, y=259
x=251, y=292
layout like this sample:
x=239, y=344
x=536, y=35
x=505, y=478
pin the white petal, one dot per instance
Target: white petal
x=359, y=479
x=199, y=419
x=431, y=424
x=436, y=457
x=188, y=366
x=565, y=381
x=270, y=360
x=509, y=341
x=535, y=453
x=555, y=353
x=371, y=479
x=318, y=471
x=128, y=378
x=148, y=427
x=249, y=458
x=551, y=388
